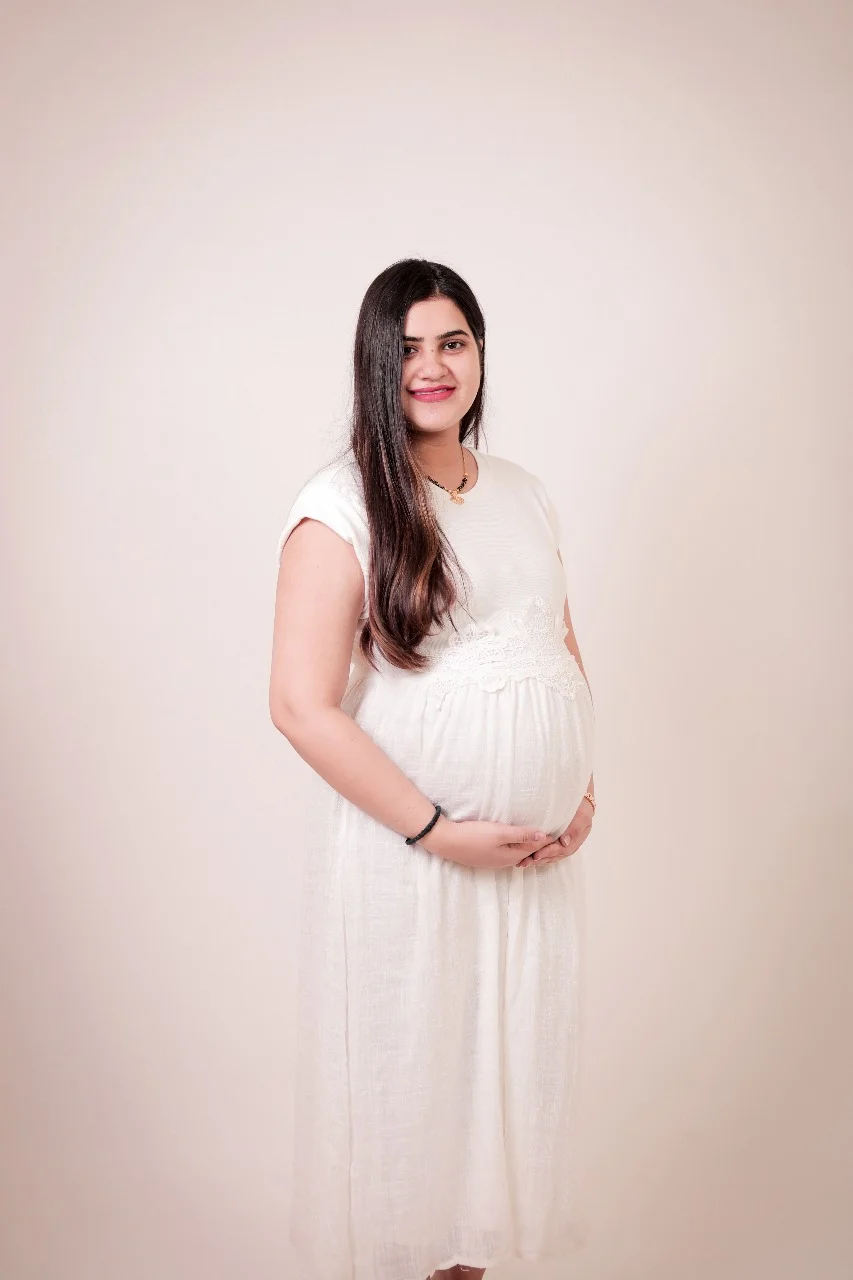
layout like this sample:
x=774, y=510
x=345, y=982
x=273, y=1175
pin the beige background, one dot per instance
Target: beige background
x=653, y=203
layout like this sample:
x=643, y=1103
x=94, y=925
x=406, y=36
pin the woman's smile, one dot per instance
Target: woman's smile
x=429, y=394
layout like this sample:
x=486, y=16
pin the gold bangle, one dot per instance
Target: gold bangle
x=591, y=798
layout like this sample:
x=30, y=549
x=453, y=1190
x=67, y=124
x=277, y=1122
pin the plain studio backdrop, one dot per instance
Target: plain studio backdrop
x=653, y=203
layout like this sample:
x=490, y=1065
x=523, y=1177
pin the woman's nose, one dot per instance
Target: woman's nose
x=430, y=363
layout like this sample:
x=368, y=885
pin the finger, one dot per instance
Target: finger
x=520, y=836
x=566, y=851
x=536, y=856
x=529, y=855
x=546, y=850
x=526, y=861
x=558, y=843
x=553, y=851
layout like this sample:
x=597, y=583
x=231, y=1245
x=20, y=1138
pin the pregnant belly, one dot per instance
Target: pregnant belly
x=521, y=753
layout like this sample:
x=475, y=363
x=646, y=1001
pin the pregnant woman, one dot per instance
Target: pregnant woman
x=425, y=667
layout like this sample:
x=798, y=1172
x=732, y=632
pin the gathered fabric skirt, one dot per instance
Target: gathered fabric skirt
x=439, y=1006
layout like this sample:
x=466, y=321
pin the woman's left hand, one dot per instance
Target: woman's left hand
x=569, y=842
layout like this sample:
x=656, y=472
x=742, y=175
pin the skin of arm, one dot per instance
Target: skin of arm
x=581, y=825
x=574, y=649
x=321, y=585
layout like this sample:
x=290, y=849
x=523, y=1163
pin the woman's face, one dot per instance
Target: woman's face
x=439, y=351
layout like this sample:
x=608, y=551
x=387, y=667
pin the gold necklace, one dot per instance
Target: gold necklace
x=455, y=494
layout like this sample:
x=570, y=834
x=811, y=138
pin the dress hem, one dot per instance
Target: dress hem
x=508, y=1255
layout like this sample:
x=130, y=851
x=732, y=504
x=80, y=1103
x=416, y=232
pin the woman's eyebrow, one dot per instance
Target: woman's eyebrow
x=451, y=333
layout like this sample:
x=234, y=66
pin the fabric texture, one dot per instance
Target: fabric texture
x=439, y=1006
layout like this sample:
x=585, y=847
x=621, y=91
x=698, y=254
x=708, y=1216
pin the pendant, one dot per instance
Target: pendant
x=456, y=496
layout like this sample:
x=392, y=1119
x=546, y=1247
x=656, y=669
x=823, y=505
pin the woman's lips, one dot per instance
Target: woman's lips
x=439, y=393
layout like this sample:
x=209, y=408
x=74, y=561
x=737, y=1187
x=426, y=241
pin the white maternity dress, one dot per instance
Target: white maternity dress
x=438, y=1004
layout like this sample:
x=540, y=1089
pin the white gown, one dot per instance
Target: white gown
x=438, y=1005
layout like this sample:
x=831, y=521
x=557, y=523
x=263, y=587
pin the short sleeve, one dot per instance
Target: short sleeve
x=320, y=498
x=548, y=507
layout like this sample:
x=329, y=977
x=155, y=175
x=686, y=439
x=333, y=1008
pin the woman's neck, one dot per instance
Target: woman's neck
x=443, y=458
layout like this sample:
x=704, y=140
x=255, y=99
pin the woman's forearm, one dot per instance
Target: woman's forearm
x=350, y=761
x=574, y=649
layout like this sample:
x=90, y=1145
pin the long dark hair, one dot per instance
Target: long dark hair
x=411, y=588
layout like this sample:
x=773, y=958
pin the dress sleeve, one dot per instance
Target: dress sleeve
x=548, y=507
x=321, y=499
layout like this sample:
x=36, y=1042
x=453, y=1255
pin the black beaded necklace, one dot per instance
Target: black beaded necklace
x=455, y=494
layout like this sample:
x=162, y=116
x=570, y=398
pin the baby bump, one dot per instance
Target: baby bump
x=520, y=752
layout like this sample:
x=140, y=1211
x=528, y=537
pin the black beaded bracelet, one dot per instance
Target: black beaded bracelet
x=429, y=826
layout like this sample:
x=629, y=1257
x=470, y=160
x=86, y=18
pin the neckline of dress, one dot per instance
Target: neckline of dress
x=469, y=495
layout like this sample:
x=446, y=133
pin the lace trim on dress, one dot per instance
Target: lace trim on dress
x=516, y=644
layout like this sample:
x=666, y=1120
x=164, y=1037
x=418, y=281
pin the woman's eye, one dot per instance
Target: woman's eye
x=453, y=342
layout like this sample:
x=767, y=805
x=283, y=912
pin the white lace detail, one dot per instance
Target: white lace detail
x=517, y=644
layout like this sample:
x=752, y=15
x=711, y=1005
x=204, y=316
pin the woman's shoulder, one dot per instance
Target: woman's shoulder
x=340, y=480
x=520, y=483
x=332, y=495
x=508, y=471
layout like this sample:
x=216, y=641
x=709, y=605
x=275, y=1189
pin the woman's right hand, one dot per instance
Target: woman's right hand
x=482, y=845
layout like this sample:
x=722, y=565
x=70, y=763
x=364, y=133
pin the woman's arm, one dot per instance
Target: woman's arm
x=319, y=595
x=574, y=649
